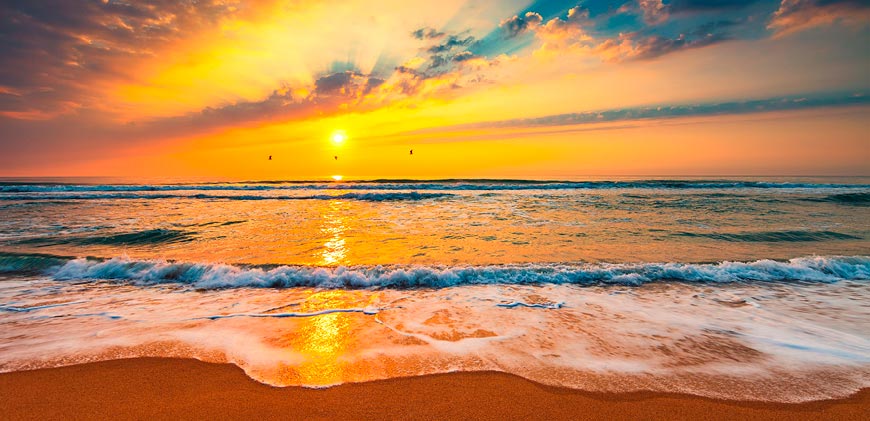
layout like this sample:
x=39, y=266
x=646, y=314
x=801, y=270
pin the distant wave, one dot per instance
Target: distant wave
x=772, y=236
x=213, y=276
x=470, y=185
x=367, y=197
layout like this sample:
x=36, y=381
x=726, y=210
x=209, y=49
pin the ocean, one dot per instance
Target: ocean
x=733, y=288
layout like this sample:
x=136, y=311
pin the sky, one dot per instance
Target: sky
x=496, y=88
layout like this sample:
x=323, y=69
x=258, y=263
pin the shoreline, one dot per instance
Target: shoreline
x=164, y=388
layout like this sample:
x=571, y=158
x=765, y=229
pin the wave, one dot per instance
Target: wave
x=33, y=263
x=853, y=199
x=367, y=197
x=450, y=184
x=217, y=276
x=139, y=238
x=772, y=236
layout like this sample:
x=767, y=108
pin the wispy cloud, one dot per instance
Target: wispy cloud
x=681, y=110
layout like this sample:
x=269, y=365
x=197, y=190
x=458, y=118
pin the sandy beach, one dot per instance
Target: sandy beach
x=451, y=210
x=158, y=388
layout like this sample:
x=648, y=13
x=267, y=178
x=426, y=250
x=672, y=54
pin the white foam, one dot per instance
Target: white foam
x=803, y=341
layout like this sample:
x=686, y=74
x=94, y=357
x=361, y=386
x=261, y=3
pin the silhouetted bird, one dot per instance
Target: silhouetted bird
x=270, y=157
x=336, y=157
x=412, y=152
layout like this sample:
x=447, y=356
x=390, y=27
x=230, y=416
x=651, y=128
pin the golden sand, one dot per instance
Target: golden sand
x=159, y=388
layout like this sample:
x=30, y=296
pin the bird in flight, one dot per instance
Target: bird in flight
x=412, y=152
x=336, y=157
x=270, y=157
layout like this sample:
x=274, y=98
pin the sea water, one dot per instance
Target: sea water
x=740, y=288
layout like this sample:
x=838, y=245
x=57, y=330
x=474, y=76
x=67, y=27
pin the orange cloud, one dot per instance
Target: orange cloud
x=798, y=15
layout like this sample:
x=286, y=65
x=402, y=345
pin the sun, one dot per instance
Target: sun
x=338, y=137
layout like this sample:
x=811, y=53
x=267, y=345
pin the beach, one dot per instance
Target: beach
x=451, y=299
x=163, y=388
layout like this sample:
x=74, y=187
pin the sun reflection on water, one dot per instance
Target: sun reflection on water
x=326, y=341
x=334, y=226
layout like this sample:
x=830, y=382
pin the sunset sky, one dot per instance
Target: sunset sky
x=510, y=88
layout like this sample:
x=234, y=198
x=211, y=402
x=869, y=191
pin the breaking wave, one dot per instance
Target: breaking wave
x=216, y=276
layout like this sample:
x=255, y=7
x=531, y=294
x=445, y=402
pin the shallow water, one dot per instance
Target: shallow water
x=746, y=289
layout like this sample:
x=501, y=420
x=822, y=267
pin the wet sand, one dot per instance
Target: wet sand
x=163, y=388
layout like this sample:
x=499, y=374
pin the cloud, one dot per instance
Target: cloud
x=656, y=11
x=689, y=6
x=54, y=52
x=452, y=42
x=517, y=25
x=445, y=76
x=677, y=111
x=570, y=34
x=341, y=83
x=559, y=35
x=427, y=33
x=798, y=15
x=464, y=56
x=347, y=87
x=636, y=47
x=451, y=48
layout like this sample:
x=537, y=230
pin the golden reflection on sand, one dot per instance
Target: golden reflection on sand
x=334, y=226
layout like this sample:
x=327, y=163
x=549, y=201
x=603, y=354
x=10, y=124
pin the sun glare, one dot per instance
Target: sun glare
x=337, y=177
x=338, y=137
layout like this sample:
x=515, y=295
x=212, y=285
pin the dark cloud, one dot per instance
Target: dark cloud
x=427, y=33
x=335, y=82
x=408, y=71
x=445, y=52
x=642, y=46
x=464, y=55
x=349, y=84
x=517, y=25
x=437, y=61
x=655, y=46
x=452, y=42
